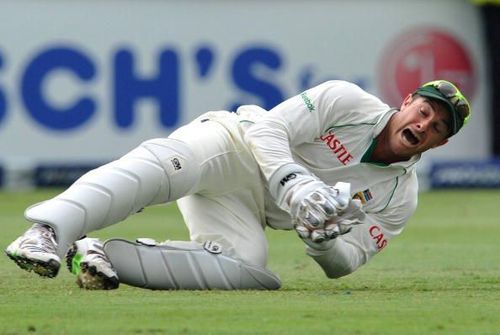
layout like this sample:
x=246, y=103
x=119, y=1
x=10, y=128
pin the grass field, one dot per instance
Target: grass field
x=441, y=276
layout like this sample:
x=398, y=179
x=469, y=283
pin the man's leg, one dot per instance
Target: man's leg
x=225, y=219
x=158, y=171
x=228, y=251
x=179, y=265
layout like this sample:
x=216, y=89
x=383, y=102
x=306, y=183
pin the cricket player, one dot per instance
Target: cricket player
x=334, y=163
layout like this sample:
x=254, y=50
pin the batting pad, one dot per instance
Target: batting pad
x=158, y=171
x=164, y=267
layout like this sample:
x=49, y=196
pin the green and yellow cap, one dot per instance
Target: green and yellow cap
x=456, y=103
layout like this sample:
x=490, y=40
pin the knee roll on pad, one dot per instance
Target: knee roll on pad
x=166, y=267
x=158, y=171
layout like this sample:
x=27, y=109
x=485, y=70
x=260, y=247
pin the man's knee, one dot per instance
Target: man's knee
x=157, y=171
x=179, y=163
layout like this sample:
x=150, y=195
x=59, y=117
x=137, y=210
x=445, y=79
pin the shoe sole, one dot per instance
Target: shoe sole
x=70, y=254
x=91, y=279
x=45, y=269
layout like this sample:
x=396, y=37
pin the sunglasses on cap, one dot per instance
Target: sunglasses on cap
x=447, y=92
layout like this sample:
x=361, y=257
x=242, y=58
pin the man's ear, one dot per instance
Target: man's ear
x=441, y=143
x=407, y=101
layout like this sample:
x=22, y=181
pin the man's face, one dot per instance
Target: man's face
x=420, y=125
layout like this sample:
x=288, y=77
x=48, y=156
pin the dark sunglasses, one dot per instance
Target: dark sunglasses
x=454, y=96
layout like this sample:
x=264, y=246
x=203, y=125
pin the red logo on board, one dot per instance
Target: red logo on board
x=422, y=55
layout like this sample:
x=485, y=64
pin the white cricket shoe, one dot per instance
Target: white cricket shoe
x=35, y=251
x=87, y=260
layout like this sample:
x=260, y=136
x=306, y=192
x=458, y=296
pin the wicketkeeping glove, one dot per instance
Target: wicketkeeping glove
x=340, y=224
x=309, y=201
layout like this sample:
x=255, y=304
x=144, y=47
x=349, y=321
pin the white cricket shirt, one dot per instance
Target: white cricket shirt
x=330, y=129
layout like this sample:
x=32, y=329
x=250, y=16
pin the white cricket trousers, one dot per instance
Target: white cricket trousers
x=228, y=204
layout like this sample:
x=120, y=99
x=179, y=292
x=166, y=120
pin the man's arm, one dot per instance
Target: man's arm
x=297, y=120
x=346, y=253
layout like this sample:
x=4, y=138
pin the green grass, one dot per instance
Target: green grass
x=441, y=276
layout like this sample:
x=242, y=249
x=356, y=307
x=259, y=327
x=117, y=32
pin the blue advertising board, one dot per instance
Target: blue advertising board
x=461, y=174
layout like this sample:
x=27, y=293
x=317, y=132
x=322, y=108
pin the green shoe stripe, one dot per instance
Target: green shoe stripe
x=75, y=263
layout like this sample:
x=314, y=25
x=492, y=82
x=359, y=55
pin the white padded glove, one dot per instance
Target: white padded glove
x=309, y=201
x=313, y=208
x=340, y=224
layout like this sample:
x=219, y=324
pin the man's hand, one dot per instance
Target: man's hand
x=337, y=225
x=312, y=205
x=309, y=200
x=319, y=211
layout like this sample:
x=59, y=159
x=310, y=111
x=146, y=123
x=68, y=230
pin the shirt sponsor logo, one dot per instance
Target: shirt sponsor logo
x=337, y=148
x=378, y=236
x=308, y=102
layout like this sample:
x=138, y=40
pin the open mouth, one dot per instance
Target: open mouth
x=410, y=137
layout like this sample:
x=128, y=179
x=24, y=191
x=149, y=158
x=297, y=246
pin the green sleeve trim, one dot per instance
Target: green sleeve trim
x=353, y=125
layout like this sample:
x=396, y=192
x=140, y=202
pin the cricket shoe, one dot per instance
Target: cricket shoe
x=87, y=260
x=35, y=251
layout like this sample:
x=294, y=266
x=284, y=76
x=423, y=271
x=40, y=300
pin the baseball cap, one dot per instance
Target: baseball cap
x=455, y=102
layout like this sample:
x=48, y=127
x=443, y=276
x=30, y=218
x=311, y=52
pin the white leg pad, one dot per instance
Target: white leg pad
x=184, y=266
x=158, y=171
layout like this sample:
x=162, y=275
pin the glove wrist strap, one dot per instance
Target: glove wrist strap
x=284, y=178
